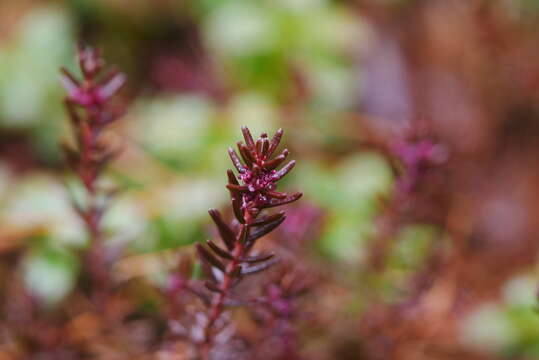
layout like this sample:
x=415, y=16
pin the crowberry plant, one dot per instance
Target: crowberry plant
x=253, y=191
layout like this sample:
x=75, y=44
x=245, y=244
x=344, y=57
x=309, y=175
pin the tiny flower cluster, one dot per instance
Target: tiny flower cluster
x=96, y=89
x=259, y=175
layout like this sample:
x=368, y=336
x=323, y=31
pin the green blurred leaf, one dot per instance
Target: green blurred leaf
x=50, y=273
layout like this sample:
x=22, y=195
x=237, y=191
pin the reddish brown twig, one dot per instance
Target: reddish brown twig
x=254, y=192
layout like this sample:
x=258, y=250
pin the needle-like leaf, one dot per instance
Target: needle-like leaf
x=278, y=160
x=247, y=136
x=207, y=256
x=236, y=160
x=216, y=249
x=274, y=143
x=257, y=258
x=226, y=233
x=267, y=219
x=285, y=170
x=260, y=231
x=246, y=154
x=251, y=270
x=289, y=199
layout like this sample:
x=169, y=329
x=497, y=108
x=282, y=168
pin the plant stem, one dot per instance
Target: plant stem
x=218, y=302
x=91, y=215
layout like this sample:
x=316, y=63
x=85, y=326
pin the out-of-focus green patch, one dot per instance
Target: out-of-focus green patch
x=510, y=328
x=317, y=182
x=406, y=257
x=345, y=237
x=126, y=182
x=488, y=329
x=256, y=111
x=191, y=199
x=175, y=162
x=197, y=271
x=164, y=233
x=397, y=2
x=528, y=7
x=124, y=220
x=39, y=200
x=30, y=93
x=254, y=73
x=49, y=272
x=271, y=40
x=334, y=86
x=411, y=246
x=173, y=130
x=361, y=179
x=75, y=190
x=85, y=9
x=353, y=184
x=6, y=178
x=526, y=320
x=253, y=31
x=350, y=192
x=521, y=291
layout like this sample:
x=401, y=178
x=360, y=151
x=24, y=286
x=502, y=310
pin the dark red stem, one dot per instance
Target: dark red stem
x=217, y=306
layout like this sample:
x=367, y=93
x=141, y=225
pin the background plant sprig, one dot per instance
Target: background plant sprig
x=90, y=108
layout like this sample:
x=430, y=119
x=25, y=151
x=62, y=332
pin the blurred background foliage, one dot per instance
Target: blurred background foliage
x=197, y=71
